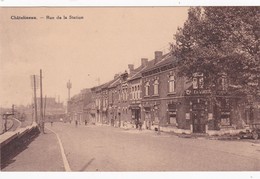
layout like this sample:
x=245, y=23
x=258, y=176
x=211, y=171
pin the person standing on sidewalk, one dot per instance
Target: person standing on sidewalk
x=76, y=123
x=140, y=124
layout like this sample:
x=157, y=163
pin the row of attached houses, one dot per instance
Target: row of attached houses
x=80, y=108
x=154, y=95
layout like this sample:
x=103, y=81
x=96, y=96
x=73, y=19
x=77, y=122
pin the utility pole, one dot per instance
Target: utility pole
x=44, y=106
x=69, y=85
x=41, y=109
x=35, y=99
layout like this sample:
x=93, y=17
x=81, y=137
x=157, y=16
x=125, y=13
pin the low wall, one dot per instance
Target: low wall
x=9, y=136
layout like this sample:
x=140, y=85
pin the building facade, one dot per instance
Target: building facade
x=79, y=107
x=181, y=105
x=153, y=94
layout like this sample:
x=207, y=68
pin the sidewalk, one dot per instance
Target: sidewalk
x=41, y=154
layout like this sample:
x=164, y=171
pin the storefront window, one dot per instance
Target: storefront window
x=172, y=114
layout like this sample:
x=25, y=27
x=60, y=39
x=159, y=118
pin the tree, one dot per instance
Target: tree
x=216, y=40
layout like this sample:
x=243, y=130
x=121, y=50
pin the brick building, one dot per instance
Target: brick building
x=154, y=94
x=79, y=107
x=181, y=105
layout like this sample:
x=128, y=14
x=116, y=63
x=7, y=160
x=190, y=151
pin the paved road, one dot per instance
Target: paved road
x=104, y=148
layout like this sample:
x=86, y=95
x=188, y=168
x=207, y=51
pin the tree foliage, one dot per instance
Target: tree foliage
x=216, y=40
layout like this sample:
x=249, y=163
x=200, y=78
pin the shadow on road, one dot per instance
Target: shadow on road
x=18, y=145
x=87, y=164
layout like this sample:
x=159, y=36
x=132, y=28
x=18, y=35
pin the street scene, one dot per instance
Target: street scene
x=98, y=90
x=102, y=148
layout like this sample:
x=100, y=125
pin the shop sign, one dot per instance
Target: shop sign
x=201, y=91
x=197, y=92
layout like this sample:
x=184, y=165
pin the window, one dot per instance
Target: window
x=223, y=83
x=201, y=82
x=134, y=94
x=155, y=87
x=172, y=84
x=195, y=83
x=198, y=81
x=138, y=92
x=147, y=88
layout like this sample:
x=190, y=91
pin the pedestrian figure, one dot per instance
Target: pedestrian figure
x=136, y=123
x=140, y=125
x=76, y=123
x=86, y=122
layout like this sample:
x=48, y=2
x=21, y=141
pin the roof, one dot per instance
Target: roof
x=115, y=82
x=166, y=58
x=137, y=73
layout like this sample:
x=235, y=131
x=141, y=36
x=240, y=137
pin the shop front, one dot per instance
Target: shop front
x=199, y=115
x=136, y=114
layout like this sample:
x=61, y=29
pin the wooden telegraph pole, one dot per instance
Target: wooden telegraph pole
x=35, y=99
x=41, y=109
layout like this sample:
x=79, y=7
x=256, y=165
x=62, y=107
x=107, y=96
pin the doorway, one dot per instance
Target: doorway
x=198, y=121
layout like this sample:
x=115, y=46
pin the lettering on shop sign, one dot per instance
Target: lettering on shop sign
x=189, y=92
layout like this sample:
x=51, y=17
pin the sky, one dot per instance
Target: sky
x=100, y=45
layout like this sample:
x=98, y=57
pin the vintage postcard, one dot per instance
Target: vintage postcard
x=130, y=89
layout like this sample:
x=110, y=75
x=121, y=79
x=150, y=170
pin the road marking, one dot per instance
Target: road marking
x=64, y=158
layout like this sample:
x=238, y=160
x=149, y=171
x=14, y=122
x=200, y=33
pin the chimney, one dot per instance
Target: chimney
x=116, y=75
x=157, y=56
x=144, y=61
x=131, y=68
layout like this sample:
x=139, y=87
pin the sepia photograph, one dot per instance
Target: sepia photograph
x=130, y=89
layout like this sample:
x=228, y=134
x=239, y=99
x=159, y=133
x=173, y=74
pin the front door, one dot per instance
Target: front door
x=199, y=121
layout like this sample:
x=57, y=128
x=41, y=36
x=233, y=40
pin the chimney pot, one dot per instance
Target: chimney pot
x=144, y=61
x=131, y=68
x=157, y=56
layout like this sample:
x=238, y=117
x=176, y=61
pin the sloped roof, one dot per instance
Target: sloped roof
x=115, y=82
x=166, y=58
x=137, y=73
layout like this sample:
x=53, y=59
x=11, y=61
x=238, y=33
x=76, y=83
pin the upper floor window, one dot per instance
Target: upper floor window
x=198, y=81
x=138, y=92
x=147, y=88
x=156, y=87
x=223, y=85
x=172, y=85
x=195, y=83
